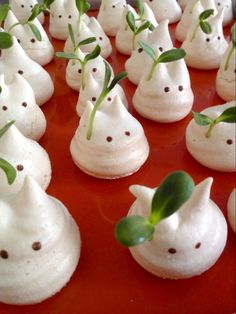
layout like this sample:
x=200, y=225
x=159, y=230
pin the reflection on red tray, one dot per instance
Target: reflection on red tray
x=107, y=279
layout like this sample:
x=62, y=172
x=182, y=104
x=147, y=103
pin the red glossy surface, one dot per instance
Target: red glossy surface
x=107, y=279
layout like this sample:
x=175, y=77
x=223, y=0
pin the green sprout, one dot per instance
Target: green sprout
x=204, y=25
x=82, y=6
x=8, y=169
x=232, y=48
x=107, y=87
x=167, y=56
x=172, y=193
x=228, y=116
x=73, y=56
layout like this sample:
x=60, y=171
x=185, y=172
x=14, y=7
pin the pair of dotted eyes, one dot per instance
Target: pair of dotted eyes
x=140, y=50
x=110, y=139
x=174, y=251
x=33, y=40
x=208, y=39
x=167, y=89
x=94, y=99
x=60, y=16
x=36, y=246
x=22, y=6
x=94, y=70
x=115, y=6
x=5, y=108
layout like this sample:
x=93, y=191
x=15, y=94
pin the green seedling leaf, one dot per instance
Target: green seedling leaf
x=47, y=3
x=4, y=129
x=107, y=75
x=9, y=170
x=140, y=8
x=205, y=14
x=201, y=119
x=37, y=9
x=35, y=31
x=131, y=21
x=4, y=9
x=71, y=34
x=133, y=230
x=94, y=54
x=171, y=55
x=144, y=26
x=229, y=115
x=172, y=193
x=149, y=50
x=82, y=6
x=116, y=79
x=6, y=40
x=151, y=27
x=205, y=27
x=234, y=35
x=68, y=56
x=87, y=41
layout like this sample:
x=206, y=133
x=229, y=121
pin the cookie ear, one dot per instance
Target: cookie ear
x=116, y=108
x=144, y=195
x=161, y=35
x=91, y=84
x=10, y=20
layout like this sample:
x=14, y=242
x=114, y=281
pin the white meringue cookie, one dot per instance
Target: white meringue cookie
x=167, y=96
x=62, y=13
x=190, y=15
x=96, y=67
x=118, y=146
x=124, y=35
x=39, y=244
x=15, y=60
x=231, y=209
x=160, y=40
x=92, y=29
x=228, y=10
x=27, y=156
x=22, y=9
x=225, y=79
x=216, y=152
x=198, y=229
x=21, y=107
x=92, y=91
x=168, y=9
x=205, y=51
x=110, y=14
x=42, y=51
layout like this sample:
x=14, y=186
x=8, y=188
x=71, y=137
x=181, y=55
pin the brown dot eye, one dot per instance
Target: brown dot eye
x=197, y=246
x=18, y=41
x=229, y=142
x=113, y=6
x=208, y=39
x=20, y=167
x=79, y=71
x=172, y=251
x=100, y=38
x=36, y=246
x=59, y=16
x=4, y=254
x=127, y=133
x=109, y=139
x=94, y=69
x=32, y=40
x=109, y=98
x=24, y=104
x=234, y=70
x=160, y=48
x=218, y=37
x=218, y=3
x=69, y=17
x=20, y=72
x=140, y=50
x=166, y=89
x=22, y=6
x=31, y=6
x=180, y=88
x=4, y=108
x=94, y=98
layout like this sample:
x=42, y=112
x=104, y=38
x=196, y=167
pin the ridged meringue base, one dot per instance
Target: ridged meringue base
x=112, y=163
x=225, y=88
x=162, y=108
x=158, y=261
x=32, y=280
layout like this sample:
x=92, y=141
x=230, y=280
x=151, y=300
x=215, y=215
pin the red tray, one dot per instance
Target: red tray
x=107, y=279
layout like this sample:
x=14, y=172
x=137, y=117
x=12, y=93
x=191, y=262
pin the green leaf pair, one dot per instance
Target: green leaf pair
x=204, y=25
x=167, y=56
x=106, y=89
x=83, y=6
x=82, y=42
x=172, y=193
x=228, y=116
x=9, y=170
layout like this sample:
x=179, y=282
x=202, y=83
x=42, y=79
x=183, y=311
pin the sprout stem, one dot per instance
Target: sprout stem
x=15, y=24
x=228, y=58
x=82, y=74
x=208, y=133
x=195, y=32
x=152, y=70
x=133, y=41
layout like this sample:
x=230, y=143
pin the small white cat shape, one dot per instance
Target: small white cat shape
x=22, y=9
x=21, y=107
x=218, y=151
x=188, y=242
x=27, y=156
x=118, y=146
x=167, y=96
x=110, y=14
x=42, y=51
x=39, y=245
x=15, y=60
